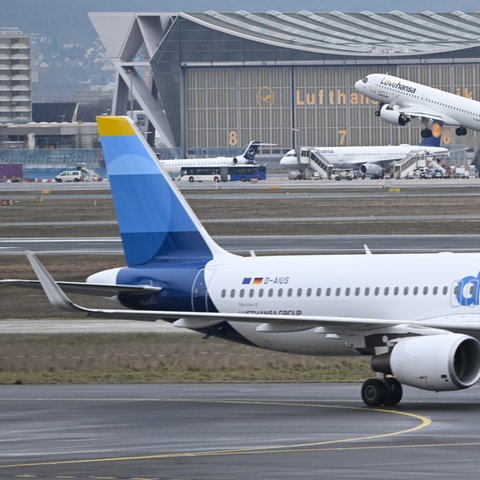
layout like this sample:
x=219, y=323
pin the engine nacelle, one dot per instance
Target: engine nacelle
x=371, y=169
x=392, y=115
x=442, y=362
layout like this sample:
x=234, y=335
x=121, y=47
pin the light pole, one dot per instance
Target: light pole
x=130, y=71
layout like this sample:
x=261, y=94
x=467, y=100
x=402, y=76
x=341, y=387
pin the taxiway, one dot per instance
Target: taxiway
x=234, y=431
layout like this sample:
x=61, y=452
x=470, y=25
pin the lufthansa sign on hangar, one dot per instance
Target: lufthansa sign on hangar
x=223, y=79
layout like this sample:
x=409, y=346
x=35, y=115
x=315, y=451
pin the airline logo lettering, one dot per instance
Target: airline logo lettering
x=397, y=85
x=468, y=291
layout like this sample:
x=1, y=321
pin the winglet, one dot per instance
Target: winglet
x=52, y=290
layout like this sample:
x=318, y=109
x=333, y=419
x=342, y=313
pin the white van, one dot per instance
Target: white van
x=69, y=176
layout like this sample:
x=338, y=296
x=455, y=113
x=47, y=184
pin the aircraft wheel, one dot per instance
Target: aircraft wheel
x=374, y=392
x=460, y=131
x=394, y=392
x=191, y=179
x=426, y=133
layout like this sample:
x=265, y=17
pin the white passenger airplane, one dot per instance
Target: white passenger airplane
x=175, y=165
x=368, y=160
x=416, y=315
x=401, y=100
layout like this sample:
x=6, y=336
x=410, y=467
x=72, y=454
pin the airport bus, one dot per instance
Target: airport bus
x=243, y=173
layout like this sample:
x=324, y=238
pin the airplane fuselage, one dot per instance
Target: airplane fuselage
x=445, y=285
x=353, y=157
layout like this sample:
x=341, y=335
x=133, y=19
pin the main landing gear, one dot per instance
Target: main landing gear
x=427, y=132
x=376, y=392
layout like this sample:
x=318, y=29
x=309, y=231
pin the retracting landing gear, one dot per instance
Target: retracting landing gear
x=376, y=392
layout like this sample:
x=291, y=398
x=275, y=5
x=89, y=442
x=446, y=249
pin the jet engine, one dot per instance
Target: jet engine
x=392, y=115
x=449, y=361
x=371, y=169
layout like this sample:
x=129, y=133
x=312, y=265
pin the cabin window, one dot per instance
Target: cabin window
x=242, y=292
x=425, y=290
x=445, y=290
x=280, y=292
x=376, y=291
x=367, y=291
x=319, y=292
x=386, y=291
x=289, y=292
x=328, y=291
x=299, y=292
x=396, y=290
x=223, y=293
x=232, y=292
x=435, y=290
x=347, y=292
x=338, y=291
x=405, y=291
x=415, y=290
x=309, y=292
x=270, y=292
x=251, y=292
x=260, y=293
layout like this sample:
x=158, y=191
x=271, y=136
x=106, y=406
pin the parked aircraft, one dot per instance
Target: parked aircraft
x=367, y=160
x=401, y=100
x=175, y=165
x=416, y=315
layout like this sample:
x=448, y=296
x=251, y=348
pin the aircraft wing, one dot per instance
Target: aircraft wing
x=268, y=322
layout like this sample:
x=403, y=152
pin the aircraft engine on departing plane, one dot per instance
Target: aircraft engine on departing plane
x=449, y=361
x=371, y=169
x=392, y=115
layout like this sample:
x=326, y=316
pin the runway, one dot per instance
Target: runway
x=264, y=244
x=216, y=431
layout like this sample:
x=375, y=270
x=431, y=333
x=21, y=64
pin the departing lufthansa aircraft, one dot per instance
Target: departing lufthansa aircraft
x=401, y=100
x=416, y=315
x=175, y=165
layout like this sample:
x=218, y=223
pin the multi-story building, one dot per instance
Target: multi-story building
x=15, y=77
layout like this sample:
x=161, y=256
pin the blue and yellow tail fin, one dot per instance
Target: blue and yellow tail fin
x=156, y=223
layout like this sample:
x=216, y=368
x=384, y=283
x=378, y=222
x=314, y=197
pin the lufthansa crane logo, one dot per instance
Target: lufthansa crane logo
x=265, y=97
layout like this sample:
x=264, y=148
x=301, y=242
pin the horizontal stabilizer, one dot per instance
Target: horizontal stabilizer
x=95, y=289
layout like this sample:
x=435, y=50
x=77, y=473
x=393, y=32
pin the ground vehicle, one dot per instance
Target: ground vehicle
x=244, y=173
x=69, y=176
x=81, y=174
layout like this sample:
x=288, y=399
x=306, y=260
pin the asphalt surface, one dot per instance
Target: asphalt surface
x=263, y=244
x=214, y=431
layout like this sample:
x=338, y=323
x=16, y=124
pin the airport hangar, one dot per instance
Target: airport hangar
x=222, y=79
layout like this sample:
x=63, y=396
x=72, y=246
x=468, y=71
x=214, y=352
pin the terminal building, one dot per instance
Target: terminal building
x=222, y=79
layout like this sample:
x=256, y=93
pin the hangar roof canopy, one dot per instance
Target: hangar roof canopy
x=365, y=33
